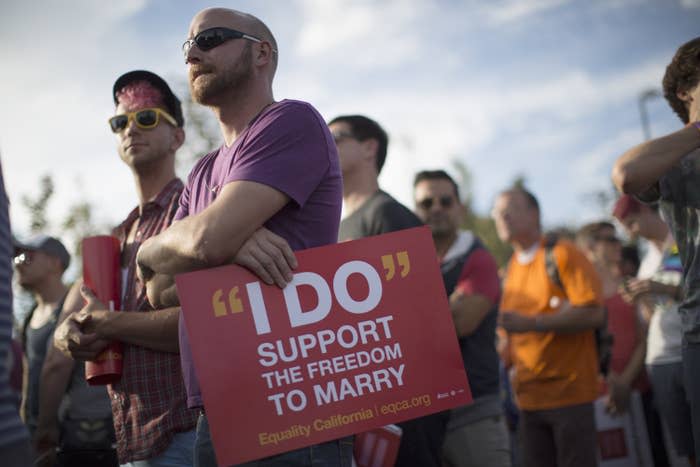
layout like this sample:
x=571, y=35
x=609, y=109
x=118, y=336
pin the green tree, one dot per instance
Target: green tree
x=37, y=207
x=481, y=224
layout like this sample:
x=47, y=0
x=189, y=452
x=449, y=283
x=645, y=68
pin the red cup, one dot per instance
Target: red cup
x=102, y=274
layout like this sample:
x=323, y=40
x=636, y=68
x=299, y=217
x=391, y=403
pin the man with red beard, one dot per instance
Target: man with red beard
x=153, y=425
x=277, y=174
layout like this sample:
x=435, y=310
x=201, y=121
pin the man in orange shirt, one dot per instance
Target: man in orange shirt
x=551, y=343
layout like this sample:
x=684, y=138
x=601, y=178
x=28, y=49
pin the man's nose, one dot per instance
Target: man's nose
x=192, y=54
x=131, y=127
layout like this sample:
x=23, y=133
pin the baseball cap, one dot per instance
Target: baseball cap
x=625, y=206
x=170, y=100
x=49, y=245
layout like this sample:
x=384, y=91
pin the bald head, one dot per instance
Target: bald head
x=233, y=19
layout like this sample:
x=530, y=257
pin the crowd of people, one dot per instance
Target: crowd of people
x=570, y=322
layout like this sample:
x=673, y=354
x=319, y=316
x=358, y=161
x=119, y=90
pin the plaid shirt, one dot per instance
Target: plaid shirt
x=149, y=403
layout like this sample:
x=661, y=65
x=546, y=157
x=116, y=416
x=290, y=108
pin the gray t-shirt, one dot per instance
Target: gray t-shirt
x=678, y=193
x=379, y=214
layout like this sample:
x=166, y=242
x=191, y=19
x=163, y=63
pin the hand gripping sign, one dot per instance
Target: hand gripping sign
x=362, y=337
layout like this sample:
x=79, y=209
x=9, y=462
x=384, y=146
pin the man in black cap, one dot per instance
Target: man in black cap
x=153, y=425
x=40, y=263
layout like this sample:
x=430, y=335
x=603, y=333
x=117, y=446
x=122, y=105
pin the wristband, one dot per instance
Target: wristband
x=697, y=125
x=538, y=323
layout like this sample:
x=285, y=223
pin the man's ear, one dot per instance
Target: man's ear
x=684, y=95
x=370, y=147
x=178, y=139
x=264, y=53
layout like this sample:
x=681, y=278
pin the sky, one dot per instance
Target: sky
x=545, y=89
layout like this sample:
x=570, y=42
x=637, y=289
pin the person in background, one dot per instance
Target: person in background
x=153, y=425
x=15, y=449
x=476, y=433
x=603, y=248
x=656, y=289
x=667, y=170
x=39, y=263
x=362, y=147
x=551, y=342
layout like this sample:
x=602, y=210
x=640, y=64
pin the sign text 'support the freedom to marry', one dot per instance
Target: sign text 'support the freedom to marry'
x=362, y=337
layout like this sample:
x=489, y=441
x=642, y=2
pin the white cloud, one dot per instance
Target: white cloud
x=433, y=73
x=369, y=34
x=500, y=13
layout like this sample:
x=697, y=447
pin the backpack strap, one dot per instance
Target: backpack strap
x=551, y=262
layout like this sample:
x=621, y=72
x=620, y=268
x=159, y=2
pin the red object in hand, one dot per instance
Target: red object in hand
x=102, y=274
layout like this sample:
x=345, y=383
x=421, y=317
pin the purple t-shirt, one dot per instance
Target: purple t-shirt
x=288, y=147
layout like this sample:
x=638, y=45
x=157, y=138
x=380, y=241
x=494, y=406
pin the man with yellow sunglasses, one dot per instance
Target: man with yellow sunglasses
x=153, y=425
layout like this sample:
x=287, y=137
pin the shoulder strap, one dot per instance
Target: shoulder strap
x=551, y=262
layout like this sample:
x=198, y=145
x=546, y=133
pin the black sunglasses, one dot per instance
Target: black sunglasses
x=214, y=37
x=427, y=203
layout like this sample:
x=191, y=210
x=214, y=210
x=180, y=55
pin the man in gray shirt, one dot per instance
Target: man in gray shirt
x=362, y=146
x=667, y=170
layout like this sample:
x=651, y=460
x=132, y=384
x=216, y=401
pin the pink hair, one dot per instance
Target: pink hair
x=139, y=95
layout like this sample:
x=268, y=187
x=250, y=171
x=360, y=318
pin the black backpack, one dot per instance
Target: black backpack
x=603, y=339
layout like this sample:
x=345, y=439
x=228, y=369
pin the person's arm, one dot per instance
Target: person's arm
x=569, y=319
x=476, y=292
x=641, y=167
x=620, y=385
x=636, y=362
x=211, y=237
x=156, y=330
x=84, y=334
x=55, y=377
x=468, y=311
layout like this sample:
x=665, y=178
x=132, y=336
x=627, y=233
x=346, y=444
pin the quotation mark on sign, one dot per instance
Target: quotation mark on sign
x=234, y=303
x=390, y=268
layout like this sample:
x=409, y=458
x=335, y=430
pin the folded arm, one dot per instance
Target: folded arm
x=570, y=319
x=229, y=230
x=213, y=236
x=641, y=167
x=468, y=311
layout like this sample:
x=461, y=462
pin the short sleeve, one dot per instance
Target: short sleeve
x=183, y=208
x=579, y=277
x=391, y=217
x=288, y=149
x=479, y=276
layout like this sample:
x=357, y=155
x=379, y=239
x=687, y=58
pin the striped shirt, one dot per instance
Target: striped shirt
x=149, y=403
x=12, y=430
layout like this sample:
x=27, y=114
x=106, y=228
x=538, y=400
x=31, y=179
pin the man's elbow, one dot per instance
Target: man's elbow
x=624, y=180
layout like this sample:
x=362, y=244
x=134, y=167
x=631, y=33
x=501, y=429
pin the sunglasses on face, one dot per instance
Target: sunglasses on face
x=24, y=257
x=144, y=118
x=341, y=135
x=214, y=37
x=427, y=203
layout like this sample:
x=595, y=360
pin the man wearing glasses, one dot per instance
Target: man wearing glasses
x=153, y=425
x=476, y=433
x=276, y=174
x=39, y=263
x=362, y=147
